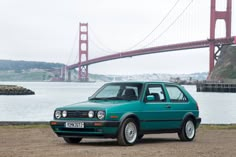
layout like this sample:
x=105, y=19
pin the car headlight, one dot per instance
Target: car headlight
x=101, y=115
x=58, y=114
x=64, y=114
x=91, y=114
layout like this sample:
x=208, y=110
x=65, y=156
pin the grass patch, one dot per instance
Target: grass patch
x=25, y=126
x=218, y=126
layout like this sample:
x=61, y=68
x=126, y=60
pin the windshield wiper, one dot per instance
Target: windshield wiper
x=114, y=98
x=108, y=98
x=96, y=99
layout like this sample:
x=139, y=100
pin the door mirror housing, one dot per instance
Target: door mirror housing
x=150, y=98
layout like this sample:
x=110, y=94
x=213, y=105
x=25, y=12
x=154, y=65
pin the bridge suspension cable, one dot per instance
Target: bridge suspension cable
x=73, y=45
x=164, y=18
x=97, y=42
x=102, y=50
x=172, y=24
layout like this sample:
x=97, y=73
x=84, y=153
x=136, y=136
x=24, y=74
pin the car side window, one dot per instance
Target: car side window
x=175, y=94
x=156, y=91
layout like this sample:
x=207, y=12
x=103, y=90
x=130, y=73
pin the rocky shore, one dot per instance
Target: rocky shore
x=15, y=90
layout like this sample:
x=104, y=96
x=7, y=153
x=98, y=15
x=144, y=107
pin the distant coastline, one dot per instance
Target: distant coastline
x=30, y=71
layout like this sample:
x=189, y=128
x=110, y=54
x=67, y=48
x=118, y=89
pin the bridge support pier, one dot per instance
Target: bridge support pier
x=217, y=53
x=83, y=52
x=83, y=73
x=67, y=74
x=216, y=15
x=62, y=73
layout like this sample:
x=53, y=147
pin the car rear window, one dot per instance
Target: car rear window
x=175, y=94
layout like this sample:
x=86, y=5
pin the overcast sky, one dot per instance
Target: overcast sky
x=47, y=30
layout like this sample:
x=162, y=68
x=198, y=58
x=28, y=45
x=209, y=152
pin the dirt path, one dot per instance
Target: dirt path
x=42, y=142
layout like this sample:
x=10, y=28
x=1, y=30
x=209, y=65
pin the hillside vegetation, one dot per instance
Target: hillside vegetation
x=41, y=71
x=225, y=68
x=26, y=65
x=28, y=70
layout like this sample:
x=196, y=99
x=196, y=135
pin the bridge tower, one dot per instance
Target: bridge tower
x=218, y=15
x=83, y=52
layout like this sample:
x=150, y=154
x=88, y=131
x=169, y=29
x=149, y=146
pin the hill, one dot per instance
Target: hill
x=42, y=71
x=26, y=65
x=28, y=70
x=225, y=68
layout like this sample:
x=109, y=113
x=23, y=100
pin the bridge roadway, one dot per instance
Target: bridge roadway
x=157, y=49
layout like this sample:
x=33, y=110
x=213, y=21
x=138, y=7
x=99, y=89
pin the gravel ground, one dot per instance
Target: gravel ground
x=42, y=142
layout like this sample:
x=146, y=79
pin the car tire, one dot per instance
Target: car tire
x=128, y=133
x=72, y=140
x=188, y=130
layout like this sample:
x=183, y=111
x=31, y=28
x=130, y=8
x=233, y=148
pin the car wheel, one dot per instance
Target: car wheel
x=128, y=133
x=188, y=130
x=72, y=140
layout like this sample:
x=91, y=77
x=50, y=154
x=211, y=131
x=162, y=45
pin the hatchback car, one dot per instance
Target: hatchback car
x=127, y=111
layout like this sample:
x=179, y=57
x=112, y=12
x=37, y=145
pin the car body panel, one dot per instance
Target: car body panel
x=150, y=116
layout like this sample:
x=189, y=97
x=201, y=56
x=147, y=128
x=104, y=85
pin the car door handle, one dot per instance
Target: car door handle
x=168, y=106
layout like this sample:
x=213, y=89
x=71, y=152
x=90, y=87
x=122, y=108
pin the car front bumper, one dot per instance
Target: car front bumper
x=90, y=129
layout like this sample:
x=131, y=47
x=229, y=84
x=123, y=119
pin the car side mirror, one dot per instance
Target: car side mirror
x=150, y=98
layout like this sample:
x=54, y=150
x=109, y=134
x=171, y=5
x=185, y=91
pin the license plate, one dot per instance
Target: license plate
x=74, y=124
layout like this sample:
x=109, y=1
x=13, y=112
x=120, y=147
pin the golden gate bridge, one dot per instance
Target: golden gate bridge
x=215, y=45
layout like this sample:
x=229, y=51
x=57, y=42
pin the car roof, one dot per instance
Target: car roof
x=144, y=82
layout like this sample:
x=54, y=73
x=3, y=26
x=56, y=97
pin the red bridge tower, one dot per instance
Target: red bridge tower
x=215, y=15
x=83, y=52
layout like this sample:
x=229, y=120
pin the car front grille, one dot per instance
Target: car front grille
x=77, y=114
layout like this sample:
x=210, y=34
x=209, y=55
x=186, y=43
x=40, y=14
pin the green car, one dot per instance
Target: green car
x=127, y=111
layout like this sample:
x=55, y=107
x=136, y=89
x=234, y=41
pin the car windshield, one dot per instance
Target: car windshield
x=118, y=91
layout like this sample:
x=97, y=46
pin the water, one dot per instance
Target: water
x=215, y=108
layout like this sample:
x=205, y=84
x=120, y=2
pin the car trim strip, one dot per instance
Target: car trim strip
x=162, y=120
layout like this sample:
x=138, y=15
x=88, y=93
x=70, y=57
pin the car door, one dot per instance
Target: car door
x=156, y=112
x=179, y=104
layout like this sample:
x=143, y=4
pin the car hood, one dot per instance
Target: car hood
x=98, y=105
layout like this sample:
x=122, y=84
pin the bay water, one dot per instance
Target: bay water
x=215, y=108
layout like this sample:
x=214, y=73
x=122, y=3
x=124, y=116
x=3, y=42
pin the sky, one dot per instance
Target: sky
x=47, y=30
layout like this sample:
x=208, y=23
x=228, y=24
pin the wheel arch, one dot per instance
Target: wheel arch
x=129, y=115
x=187, y=116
